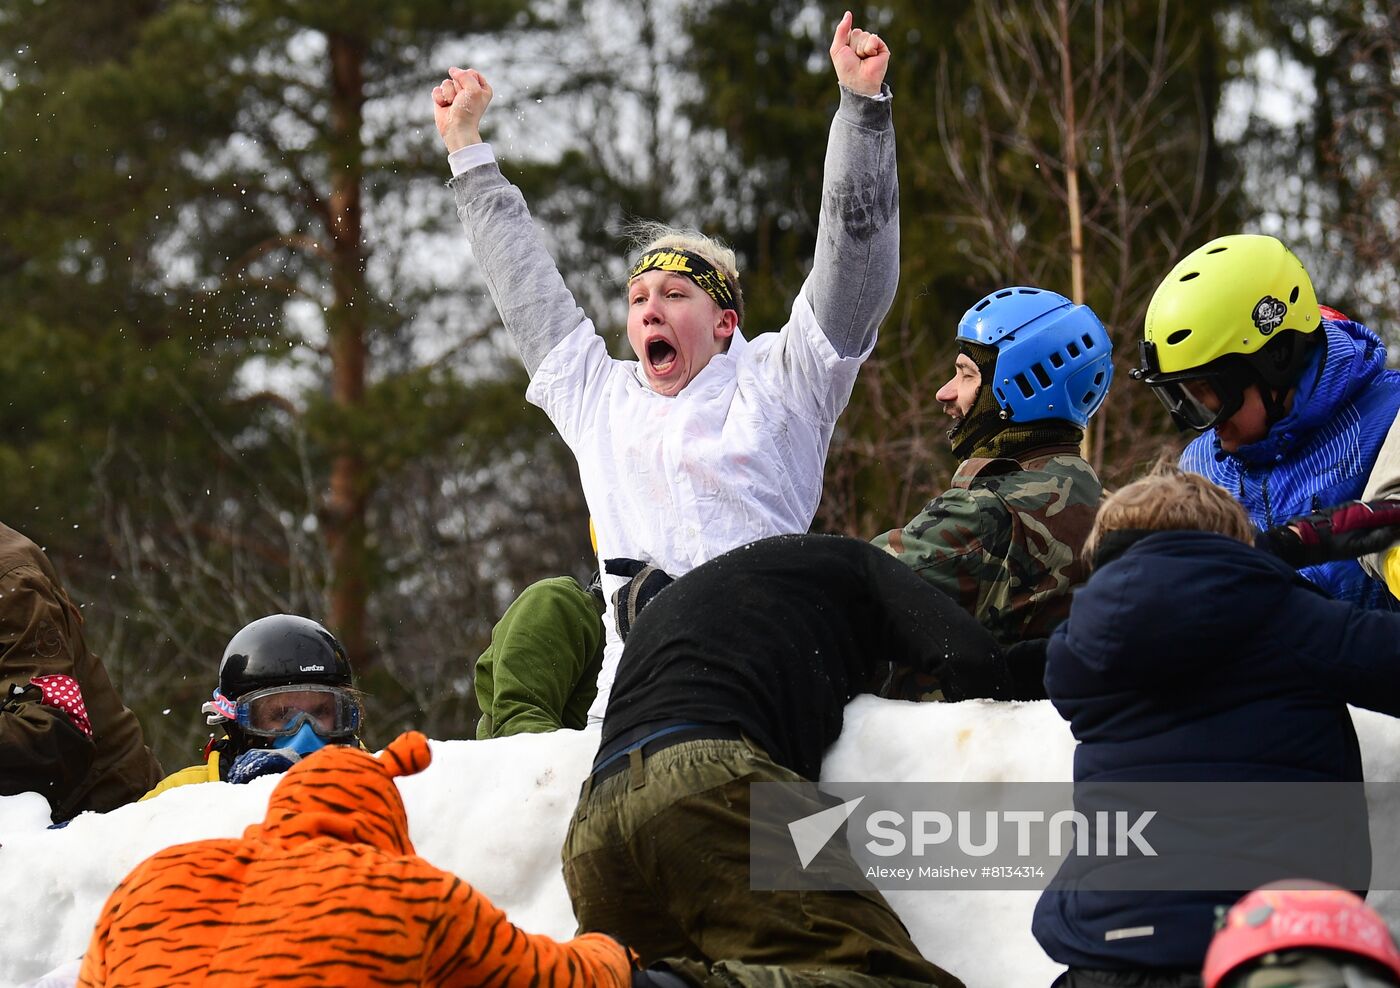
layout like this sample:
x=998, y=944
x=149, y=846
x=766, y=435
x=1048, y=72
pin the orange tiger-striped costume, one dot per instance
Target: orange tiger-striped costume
x=326, y=891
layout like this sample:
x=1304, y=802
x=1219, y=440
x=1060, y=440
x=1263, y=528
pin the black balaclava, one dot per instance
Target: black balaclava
x=984, y=433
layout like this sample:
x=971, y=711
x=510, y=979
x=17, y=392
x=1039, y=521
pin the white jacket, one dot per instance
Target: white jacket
x=737, y=455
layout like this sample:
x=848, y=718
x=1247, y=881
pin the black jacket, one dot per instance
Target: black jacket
x=774, y=638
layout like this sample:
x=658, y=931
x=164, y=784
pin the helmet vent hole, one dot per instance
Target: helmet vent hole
x=1026, y=390
x=1188, y=277
x=1004, y=294
x=1088, y=341
x=1088, y=396
x=1056, y=360
x=1218, y=250
x=1072, y=349
x=1175, y=338
x=1293, y=298
x=981, y=305
x=1029, y=291
x=1098, y=378
x=1040, y=375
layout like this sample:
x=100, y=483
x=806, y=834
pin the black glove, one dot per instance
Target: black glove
x=628, y=600
x=1026, y=660
x=595, y=587
x=19, y=695
x=1343, y=531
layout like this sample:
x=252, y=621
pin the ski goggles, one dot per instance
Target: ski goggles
x=281, y=711
x=1198, y=399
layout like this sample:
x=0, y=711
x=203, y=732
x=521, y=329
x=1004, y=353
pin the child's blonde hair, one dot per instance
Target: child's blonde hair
x=1167, y=499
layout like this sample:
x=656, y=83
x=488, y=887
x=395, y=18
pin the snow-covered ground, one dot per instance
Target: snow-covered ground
x=495, y=812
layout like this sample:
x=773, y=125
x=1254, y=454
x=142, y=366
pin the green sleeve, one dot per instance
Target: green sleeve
x=540, y=671
x=956, y=543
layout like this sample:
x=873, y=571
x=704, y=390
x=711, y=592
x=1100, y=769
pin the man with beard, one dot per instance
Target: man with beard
x=1004, y=539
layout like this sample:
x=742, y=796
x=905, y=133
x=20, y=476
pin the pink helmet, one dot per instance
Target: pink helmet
x=1302, y=915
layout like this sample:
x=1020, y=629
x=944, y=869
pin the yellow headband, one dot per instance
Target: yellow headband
x=710, y=279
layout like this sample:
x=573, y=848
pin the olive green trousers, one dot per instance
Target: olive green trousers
x=658, y=856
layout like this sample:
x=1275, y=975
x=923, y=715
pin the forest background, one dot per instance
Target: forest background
x=247, y=364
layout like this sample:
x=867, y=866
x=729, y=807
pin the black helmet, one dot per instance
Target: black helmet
x=282, y=650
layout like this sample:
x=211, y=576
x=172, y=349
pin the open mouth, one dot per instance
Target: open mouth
x=661, y=356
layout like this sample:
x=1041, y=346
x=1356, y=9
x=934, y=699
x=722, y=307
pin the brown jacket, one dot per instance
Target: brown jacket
x=41, y=633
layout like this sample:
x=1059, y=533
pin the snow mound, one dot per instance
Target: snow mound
x=495, y=813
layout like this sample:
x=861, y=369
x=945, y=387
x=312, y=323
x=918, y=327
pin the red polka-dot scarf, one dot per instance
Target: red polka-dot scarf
x=63, y=693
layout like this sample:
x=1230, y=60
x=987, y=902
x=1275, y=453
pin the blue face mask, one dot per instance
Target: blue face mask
x=303, y=742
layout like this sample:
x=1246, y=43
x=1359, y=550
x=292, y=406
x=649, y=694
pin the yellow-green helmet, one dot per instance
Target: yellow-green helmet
x=1240, y=310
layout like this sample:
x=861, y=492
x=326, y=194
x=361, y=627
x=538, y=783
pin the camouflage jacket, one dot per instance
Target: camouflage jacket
x=1004, y=540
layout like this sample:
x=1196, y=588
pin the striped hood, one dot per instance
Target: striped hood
x=345, y=794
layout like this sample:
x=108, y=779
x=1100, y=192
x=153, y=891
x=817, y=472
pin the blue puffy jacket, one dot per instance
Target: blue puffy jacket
x=1195, y=658
x=1320, y=453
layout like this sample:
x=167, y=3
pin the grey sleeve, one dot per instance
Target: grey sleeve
x=856, y=266
x=537, y=309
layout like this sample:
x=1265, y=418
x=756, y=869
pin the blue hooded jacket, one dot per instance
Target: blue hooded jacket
x=1321, y=453
x=1195, y=658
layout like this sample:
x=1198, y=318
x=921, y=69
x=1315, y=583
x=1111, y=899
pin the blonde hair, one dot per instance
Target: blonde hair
x=1167, y=499
x=644, y=236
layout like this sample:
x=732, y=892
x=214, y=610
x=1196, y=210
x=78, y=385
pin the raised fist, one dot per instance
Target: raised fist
x=459, y=103
x=860, y=58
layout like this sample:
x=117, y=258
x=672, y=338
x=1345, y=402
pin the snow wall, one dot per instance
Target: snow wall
x=495, y=813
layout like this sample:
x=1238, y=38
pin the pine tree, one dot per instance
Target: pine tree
x=230, y=331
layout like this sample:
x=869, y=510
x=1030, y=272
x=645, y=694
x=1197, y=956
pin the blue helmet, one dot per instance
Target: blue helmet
x=1054, y=358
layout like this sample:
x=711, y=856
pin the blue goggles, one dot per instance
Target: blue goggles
x=334, y=712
